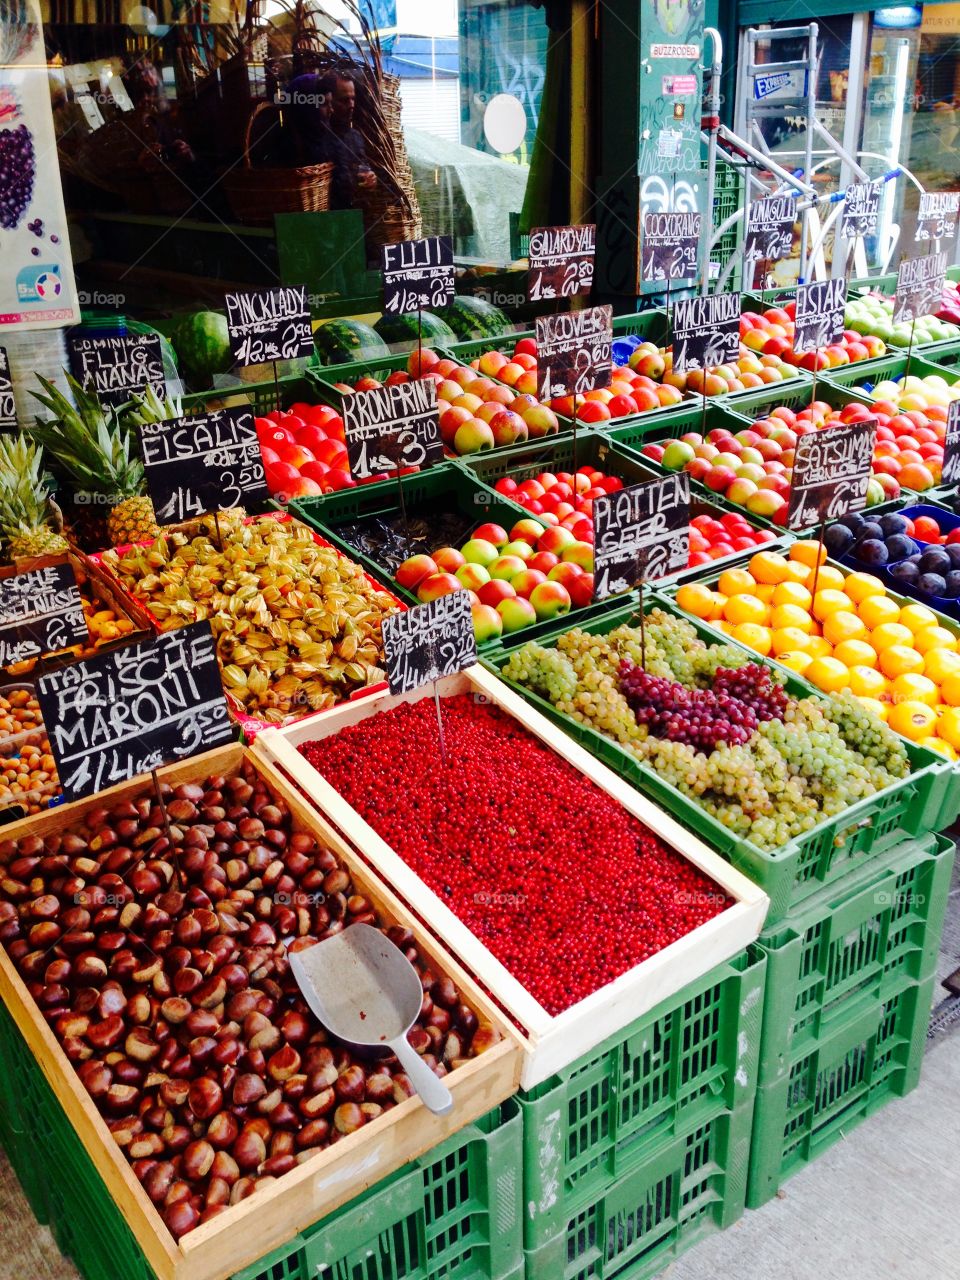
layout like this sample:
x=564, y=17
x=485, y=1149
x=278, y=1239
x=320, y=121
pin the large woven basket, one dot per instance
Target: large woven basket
x=255, y=195
x=386, y=219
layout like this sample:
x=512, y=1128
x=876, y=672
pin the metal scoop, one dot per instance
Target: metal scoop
x=366, y=991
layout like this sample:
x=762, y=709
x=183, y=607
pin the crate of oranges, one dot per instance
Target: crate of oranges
x=843, y=630
x=28, y=774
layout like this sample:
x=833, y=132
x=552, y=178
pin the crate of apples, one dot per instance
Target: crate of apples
x=872, y=314
x=770, y=333
x=531, y=574
x=750, y=371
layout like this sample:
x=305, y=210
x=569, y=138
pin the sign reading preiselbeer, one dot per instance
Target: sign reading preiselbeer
x=428, y=642
x=122, y=714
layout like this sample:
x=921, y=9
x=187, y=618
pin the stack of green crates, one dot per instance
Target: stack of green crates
x=640, y=1149
x=850, y=977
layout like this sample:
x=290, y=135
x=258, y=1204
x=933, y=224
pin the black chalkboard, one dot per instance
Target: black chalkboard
x=116, y=369
x=861, y=209
x=769, y=234
x=574, y=352
x=818, y=320
x=561, y=261
x=201, y=464
x=40, y=612
x=937, y=216
x=418, y=275
x=121, y=714
x=392, y=427
x=831, y=471
x=920, y=284
x=640, y=532
x=428, y=642
x=671, y=246
x=8, y=406
x=951, y=446
x=269, y=324
x=706, y=331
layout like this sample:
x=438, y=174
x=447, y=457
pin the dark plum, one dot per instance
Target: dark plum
x=935, y=560
x=893, y=523
x=906, y=572
x=931, y=584
x=838, y=539
x=872, y=552
x=899, y=546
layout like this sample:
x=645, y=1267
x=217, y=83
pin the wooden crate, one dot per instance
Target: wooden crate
x=272, y=1216
x=550, y=1043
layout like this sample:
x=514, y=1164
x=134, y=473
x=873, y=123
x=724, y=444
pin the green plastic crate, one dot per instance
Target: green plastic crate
x=454, y=1213
x=689, y=1060
x=757, y=402
x=23, y=1094
x=854, y=377
x=727, y=199
x=874, y=1057
x=687, y=1191
x=852, y=947
x=927, y=800
x=261, y=396
x=423, y=493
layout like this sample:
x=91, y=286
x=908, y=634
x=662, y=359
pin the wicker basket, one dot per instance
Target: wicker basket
x=255, y=195
x=386, y=220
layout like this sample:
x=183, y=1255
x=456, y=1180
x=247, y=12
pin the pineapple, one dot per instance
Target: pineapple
x=93, y=447
x=27, y=517
x=150, y=408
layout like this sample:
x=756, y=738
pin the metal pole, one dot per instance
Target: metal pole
x=808, y=157
x=716, y=71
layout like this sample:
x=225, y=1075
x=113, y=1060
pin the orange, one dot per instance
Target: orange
x=915, y=688
x=798, y=572
x=796, y=661
x=917, y=617
x=945, y=749
x=769, y=566
x=867, y=683
x=828, y=577
x=695, y=598
x=744, y=608
x=915, y=720
x=876, y=610
x=827, y=602
x=859, y=586
x=717, y=602
x=765, y=591
x=753, y=636
x=736, y=582
x=819, y=647
x=807, y=552
x=940, y=663
x=950, y=691
x=789, y=640
x=880, y=709
x=900, y=660
x=792, y=593
x=828, y=674
x=948, y=726
x=937, y=638
x=843, y=625
x=888, y=633
x=722, y=625
x=791, y=615
x=854, y=652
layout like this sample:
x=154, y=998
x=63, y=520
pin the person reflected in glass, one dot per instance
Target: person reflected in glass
x=322, y=115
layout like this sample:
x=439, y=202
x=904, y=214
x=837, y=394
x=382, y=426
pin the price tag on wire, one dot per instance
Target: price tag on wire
x=561, y=261
x=831, y=471
x=267, y=325
x=392, y=427
x=423, y=644
x=937, y=216
x=920, y=284
x=40, y=612
x=861, y=210
x=818, y=321
x=671, y=246
x=769, y=234
x=418, y=275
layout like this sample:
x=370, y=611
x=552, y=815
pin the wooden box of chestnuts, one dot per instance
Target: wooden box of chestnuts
x=553, y=1038
x=151, y=983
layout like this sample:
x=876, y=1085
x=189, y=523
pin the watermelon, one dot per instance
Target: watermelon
x=471, y=317
x=435, y=331
x=343, y=341
x=202, y=344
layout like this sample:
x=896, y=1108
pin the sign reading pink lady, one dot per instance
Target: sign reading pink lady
x=37, y=289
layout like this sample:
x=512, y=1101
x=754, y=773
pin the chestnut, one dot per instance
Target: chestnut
x=223, y=1130
x=197, y=1160
x=205, y=1098
x=180, y=1218
x=348, y=1118
x=249, y=1150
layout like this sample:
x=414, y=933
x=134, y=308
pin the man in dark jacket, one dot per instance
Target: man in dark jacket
x=321, y=113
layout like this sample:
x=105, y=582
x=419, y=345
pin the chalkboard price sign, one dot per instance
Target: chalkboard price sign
x=831, y=471
x=937, y=217
x=671, y=246
x=861, y=209
x=269, y=324
x=40, y=612
x=770, y=229
x=392, y=427
x=116, y=369
x=951, y=446
x=196, y=465
x=428, y=642
x=920, y=284
x=418, y=275
x=8, y=406
x=641, y=532
x=122, y=714
x=561, y=261
x=818, y=321
x=574, y=352
x=706, y=331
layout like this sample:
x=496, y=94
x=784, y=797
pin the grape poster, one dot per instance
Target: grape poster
x=37, y=289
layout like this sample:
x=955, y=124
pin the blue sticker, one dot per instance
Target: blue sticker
x=39, y=283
